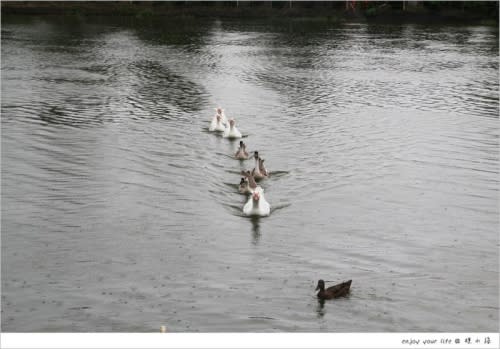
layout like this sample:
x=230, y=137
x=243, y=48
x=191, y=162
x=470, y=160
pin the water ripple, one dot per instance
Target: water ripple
x=381, y=141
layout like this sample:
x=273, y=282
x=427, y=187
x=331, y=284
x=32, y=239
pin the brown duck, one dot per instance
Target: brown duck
x=336, y=291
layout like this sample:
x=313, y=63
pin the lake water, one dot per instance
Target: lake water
x=120, y=211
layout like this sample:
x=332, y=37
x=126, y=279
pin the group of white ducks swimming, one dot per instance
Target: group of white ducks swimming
x=256, y=204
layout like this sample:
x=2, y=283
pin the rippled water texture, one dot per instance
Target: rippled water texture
x=120, y=211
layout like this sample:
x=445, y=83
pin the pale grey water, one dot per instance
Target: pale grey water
x=120, y=211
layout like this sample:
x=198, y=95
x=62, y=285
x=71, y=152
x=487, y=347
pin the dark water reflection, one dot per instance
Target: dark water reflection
x=120, y=212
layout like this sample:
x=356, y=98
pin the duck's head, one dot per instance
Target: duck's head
x=243, y=180
x=256, y=196
x=261, y=160
x=231, y=122
x=256, y=154
x=245, y=173
x=321, y=285
x=242, y=145
x=218, y=110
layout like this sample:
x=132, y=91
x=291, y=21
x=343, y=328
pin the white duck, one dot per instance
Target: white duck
x=241, y=153
x=220, y=112
x=231, y=131
x=217, y=124
x=257, y=205
x=257, y=172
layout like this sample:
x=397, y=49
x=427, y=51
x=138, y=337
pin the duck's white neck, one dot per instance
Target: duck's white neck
x=255, y=203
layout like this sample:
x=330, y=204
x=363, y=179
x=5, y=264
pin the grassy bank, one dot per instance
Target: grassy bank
x=414, y=11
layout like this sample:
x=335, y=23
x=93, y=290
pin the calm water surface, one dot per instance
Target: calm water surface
x=120, y=212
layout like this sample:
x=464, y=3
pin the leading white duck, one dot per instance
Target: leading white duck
x=217, y=124
x=257, y=205
x=231, y=131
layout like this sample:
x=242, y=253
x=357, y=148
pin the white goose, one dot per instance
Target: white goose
x=217, y=124
x=220, y=112
x=257, y=205
x=241, y=153
x=231, y=131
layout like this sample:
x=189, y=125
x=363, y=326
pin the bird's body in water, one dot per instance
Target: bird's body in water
x=231, y=131
x=241, y=153
x=217, y=124
x=244, y=188
x=251, y=180
x=331, y=292
x=257, y=205
x=259, y=166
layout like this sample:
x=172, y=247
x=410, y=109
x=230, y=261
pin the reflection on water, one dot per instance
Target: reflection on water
x=120, y=212
x=255, y=229
x=320, y=308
